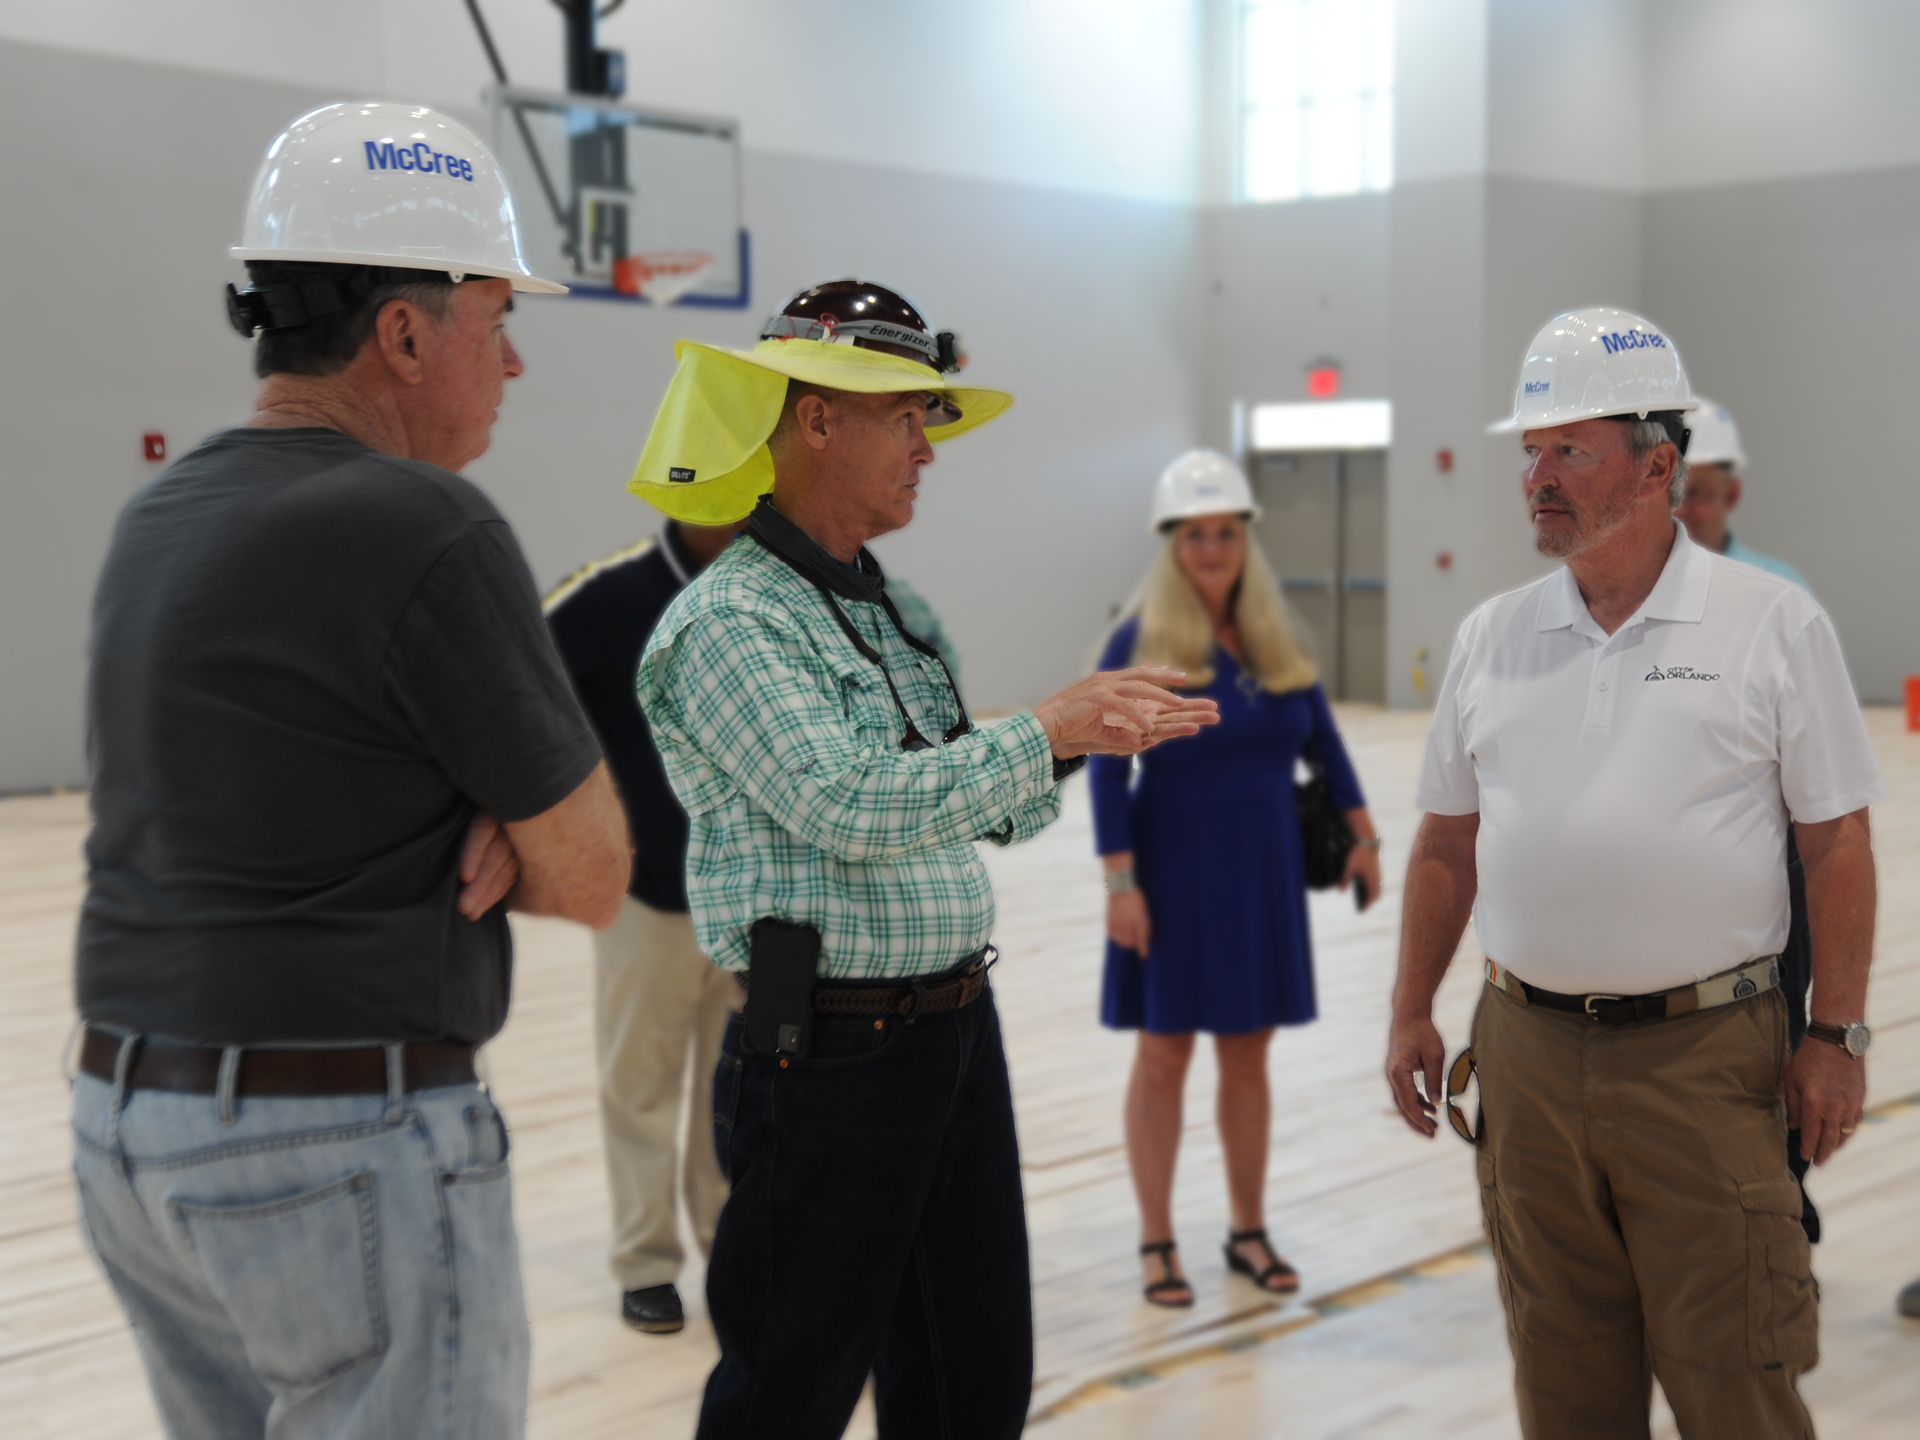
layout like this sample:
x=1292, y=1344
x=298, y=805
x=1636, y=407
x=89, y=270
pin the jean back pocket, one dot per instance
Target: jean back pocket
x=299, y=1277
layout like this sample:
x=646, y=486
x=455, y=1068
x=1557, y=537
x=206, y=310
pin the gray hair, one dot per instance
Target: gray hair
x=1642, y=438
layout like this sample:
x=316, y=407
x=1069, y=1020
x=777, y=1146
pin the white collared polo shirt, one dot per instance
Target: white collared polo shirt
x=1634, y=791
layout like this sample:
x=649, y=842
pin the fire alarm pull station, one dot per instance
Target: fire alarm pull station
x=153, y=445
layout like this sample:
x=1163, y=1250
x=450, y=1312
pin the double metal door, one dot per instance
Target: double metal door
x=1324, y=532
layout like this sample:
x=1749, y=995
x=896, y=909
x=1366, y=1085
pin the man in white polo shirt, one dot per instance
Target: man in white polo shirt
x=1615, y=759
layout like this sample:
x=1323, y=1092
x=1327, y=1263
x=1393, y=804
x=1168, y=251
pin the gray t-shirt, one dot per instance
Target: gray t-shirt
x=312, y=664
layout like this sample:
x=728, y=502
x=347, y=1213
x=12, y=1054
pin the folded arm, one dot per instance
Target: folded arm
x=572, y=860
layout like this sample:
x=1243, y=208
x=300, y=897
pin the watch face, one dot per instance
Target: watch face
x=1858, y=1038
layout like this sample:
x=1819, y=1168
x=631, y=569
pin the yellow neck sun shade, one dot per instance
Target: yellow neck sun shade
x=706, y=459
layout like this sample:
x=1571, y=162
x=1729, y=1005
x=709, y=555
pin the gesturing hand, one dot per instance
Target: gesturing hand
x=1122, y=712
x=488, y=867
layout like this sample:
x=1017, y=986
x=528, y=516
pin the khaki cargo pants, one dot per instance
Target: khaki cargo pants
x=1643, y=1219
x=659, y=1009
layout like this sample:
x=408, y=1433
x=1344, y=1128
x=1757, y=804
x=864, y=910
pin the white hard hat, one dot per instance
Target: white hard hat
x=1716, y=439
x=1597, y=362
x=379, y=183
x=1200, y=482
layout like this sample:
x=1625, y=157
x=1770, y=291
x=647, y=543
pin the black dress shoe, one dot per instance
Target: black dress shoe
x=1909, y=1302
x=655, y=1310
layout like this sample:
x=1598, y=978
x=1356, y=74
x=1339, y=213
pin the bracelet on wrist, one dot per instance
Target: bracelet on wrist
x=1119, y=882
x=1372, y=842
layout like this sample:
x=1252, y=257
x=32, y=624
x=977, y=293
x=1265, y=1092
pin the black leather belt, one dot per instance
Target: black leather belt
x=1607, y=1009
x=1741, y=983
x=908, y=999
x=195, y=1069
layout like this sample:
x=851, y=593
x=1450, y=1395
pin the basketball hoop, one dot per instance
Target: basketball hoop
x=660, y=276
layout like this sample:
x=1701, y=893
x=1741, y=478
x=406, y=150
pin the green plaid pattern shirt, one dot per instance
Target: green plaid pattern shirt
x=783, y=744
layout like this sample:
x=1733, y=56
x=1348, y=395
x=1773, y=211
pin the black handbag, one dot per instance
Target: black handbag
x=1325, y=837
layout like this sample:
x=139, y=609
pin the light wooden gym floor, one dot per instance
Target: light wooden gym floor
x=1397, y=1332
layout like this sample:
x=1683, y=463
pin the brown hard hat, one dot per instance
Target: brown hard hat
x=872, y=316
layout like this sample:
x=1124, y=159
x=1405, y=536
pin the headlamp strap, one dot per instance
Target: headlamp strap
x=941, y=351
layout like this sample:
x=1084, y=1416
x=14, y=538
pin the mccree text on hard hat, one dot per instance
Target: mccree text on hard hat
x=384, y=155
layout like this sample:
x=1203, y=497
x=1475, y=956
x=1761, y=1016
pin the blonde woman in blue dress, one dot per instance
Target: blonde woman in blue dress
x=1206, y=881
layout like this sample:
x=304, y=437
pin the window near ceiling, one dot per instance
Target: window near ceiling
x=1316, y=98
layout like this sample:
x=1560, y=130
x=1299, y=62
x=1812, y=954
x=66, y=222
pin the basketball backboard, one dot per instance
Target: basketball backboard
x=619, y=202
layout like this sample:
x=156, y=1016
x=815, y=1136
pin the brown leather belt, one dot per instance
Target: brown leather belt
x=195, y=1069
x=899, y=997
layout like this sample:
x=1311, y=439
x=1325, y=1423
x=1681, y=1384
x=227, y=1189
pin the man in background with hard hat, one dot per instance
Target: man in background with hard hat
x=1715, y=459
x=1714, y=462
x=331, y=745
x=835, y=787
x=1615, y=759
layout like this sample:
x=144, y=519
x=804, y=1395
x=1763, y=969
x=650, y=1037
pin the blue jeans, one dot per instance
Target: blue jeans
x=875, y=1225
x=326, y=1267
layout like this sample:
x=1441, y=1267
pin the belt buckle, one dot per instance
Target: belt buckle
x=1588, y=1006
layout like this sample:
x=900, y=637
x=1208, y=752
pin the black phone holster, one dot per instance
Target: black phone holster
x=781, y=962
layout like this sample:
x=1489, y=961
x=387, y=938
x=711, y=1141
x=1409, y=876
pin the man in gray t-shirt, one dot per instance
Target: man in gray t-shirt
x=331, y=746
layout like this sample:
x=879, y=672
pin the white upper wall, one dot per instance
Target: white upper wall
x=1743, y=90
x=1097, y=96
x=1641, y=95
x=1566, y=91
x=1439, y=89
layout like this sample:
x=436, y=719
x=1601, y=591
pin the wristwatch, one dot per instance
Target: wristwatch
x=1853, y=1038
x=1119, y=882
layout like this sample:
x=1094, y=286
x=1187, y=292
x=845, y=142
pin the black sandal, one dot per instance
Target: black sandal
x=1164, y=1249
x=1278, y=1270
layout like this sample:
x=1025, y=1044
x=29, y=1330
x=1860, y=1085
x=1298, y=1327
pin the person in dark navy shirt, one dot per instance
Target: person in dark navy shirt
x=658, y=1002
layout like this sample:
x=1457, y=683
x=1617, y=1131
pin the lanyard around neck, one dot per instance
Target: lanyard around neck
x=913, y=739
x=862, y=580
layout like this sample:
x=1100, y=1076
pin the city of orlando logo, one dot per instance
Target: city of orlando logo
x=1679, y=672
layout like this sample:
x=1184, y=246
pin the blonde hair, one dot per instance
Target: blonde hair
x=1175, y=630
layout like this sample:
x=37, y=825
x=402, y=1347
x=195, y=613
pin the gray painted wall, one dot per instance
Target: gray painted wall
x=1438, y=290
x=1088, y=308
x=1795, y=303
x=1287, y=284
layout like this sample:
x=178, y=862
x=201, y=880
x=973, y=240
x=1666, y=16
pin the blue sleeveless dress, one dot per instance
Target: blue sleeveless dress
x=1210, y=822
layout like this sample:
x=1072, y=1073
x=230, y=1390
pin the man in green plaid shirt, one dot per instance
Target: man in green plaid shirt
x=834, y=782
x=782, y=742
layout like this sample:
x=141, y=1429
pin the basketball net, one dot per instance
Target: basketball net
x=660, y=276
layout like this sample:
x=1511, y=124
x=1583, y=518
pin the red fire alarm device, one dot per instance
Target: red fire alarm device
x=1443, y=462
x=1444, y=560
x=153, y=445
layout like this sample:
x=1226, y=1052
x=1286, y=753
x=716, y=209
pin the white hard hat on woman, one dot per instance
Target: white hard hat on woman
x=380, y=187
x=1200, y=482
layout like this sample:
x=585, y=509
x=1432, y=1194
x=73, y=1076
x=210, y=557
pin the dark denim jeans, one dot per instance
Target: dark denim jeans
x=875, y=1225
